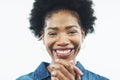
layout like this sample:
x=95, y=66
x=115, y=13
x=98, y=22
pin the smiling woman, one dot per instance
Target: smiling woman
x=64, y=38
x=62, y=25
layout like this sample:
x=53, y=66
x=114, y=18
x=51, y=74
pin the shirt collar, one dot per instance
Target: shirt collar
x=80, y=66
x=42, y=72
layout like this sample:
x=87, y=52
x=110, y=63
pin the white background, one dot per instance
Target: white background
x=21, y=52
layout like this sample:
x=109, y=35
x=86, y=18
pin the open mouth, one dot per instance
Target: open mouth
x=63, y=53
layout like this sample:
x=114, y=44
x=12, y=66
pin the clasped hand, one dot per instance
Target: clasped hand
x=64, y=70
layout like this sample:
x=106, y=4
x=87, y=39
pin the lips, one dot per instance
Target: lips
x=63, y=53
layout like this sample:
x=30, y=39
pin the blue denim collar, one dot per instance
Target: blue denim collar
x=42, y=72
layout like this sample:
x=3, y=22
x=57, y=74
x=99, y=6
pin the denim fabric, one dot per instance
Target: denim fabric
x=41, y=73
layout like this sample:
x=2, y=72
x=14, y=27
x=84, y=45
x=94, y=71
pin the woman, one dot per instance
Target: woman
x=62, y=25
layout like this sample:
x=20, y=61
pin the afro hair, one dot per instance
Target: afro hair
x=43, y=7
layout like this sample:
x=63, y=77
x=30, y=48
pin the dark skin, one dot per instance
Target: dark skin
x=62, y=38
x=63, y=70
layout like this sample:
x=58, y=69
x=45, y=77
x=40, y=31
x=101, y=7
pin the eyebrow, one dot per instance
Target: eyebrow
x=71, y=26
x=68, y=27
x=53, y=28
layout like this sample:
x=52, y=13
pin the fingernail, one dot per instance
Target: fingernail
x=54, y=78
x=53, y=73
x=56, y=60
x=81, y=73
x=79, y=78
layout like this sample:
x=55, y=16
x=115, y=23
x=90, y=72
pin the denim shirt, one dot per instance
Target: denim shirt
x=42, y=73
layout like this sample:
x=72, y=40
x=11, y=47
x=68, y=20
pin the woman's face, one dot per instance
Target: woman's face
x=62, y=35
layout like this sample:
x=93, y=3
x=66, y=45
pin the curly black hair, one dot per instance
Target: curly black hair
x=41, y=8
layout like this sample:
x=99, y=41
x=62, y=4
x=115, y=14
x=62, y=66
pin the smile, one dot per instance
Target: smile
x=63, y=53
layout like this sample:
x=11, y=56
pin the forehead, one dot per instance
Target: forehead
x=61, y=18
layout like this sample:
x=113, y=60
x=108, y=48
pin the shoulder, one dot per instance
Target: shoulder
x=25, y=77
x=39, y=73
x=94, y=76
x=89, y=75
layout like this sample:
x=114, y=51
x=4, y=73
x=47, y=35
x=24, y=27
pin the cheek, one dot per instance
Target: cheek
x=77, y=44
x=77, y=41
x=48, y=43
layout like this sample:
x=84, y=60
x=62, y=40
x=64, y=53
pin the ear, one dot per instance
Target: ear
x=42, y=36
x=83, y=35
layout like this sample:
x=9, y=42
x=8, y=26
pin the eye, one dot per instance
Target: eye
x=72, y=32
x=52, y=33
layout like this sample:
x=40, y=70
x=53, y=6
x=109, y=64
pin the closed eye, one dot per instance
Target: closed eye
x=52, y=34
x=72, y=32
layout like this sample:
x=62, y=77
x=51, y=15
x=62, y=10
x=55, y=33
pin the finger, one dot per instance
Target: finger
x=70, y=69
x=77, y=77
x=54, y=78
x=58, y=74
x=77, y=71
x=74, y=70
x=53, y=73
x=51, y=67
x=67, y=64
x=62, y=69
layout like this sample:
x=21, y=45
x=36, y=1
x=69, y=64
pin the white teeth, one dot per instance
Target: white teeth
x=63, y=51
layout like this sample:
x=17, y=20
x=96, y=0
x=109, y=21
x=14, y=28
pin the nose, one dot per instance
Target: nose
x=63, y=41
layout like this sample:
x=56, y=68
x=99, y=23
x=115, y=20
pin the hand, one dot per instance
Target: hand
x=64, y=70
